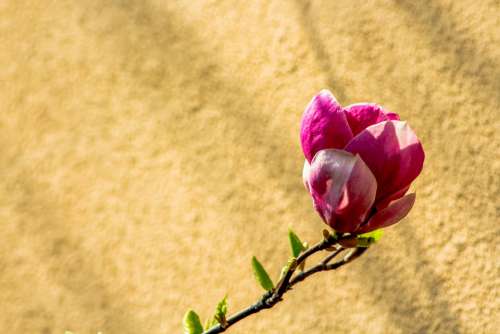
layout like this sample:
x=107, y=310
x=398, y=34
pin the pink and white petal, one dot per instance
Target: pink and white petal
x=362, y=115
x=384, y=202
x=324, y=125
x=396, y=211
x=391, y=116
x=343, y=188
x=305, y=174
x=358, y=198
x=393, y=153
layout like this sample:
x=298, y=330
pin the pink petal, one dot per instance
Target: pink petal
x=391, y=116
x=305, y=174
x=383, y=203
x=362, y=115
x=396, y=211
x=343, y=188
x=393, y=152
x=324, y=125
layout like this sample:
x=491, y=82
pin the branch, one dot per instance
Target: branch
x=271, y=298
x=324, y=266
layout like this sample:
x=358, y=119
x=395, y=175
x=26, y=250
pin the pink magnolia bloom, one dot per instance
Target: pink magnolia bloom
x=360, y=162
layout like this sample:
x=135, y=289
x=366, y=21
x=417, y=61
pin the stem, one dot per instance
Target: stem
x=271, y=298
x=324, y=266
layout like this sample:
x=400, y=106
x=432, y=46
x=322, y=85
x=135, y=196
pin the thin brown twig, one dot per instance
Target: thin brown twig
x=356, y=252
x=271, y=298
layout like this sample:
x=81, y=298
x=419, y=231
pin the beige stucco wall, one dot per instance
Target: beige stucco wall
x=149, y=148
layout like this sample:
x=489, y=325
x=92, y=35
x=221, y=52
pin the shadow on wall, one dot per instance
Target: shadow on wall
x=322, y=57
x=402, y=304
x=462, y=53
x=402, y=300
x=238, y=106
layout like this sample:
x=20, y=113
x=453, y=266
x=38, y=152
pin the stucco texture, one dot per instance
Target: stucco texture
x=149, y=148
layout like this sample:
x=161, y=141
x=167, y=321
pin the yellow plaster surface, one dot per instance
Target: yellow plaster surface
x=149, y=148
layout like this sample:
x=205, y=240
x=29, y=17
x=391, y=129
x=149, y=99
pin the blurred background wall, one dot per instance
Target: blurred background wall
x=149, y=148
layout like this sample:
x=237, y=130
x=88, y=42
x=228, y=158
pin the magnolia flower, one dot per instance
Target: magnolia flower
x=360, y=162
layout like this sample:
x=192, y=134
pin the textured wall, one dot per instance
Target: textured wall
x=149, y=148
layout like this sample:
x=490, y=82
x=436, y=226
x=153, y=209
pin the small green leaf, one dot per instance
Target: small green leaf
x=283, y=272
x=192, y=323
x=219, y=316
x=211, y=322
x=221, y=311
x=364, y=242
x=291, y=262
x=221, y=308
x=367, y=239
x=375, y=235
x=330, y=235
x=261, y=275
x=295, y=244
